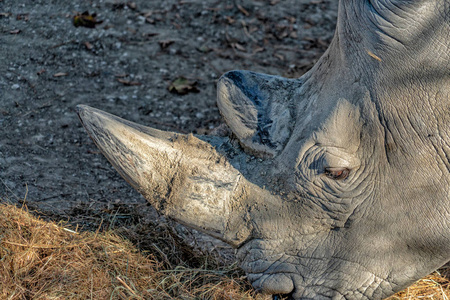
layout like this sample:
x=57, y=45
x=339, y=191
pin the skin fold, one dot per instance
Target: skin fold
x=334, y=185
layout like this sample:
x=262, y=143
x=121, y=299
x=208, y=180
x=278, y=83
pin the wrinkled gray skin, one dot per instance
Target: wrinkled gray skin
x=339, y=184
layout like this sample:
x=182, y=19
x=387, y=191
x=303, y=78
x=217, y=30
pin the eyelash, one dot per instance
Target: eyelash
x=337, y=173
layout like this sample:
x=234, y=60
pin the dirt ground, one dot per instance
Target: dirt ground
x=124, y=65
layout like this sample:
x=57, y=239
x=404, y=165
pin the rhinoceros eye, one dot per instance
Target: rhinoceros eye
x=337, y=173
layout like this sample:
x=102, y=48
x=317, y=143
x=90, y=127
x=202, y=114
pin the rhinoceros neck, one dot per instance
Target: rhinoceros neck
x=400, y=52
x=395, y=38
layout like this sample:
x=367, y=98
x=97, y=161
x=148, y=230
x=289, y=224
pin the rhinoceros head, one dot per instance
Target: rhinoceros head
x=334, y=185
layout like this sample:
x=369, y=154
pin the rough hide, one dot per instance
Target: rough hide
x=338, y=186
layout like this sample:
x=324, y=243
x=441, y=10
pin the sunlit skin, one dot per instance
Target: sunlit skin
x=332, y=186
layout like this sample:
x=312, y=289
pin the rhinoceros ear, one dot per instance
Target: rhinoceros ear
x=258, y=109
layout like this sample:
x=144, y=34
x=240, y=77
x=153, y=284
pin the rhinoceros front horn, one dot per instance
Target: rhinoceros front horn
x=180, y=175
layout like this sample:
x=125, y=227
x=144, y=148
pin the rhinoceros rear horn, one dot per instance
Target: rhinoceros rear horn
x=180, y=175
x=256, y=108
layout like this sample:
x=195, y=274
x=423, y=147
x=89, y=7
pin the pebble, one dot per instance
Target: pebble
x=15, y=86
x=199, y=115
x=141, y=20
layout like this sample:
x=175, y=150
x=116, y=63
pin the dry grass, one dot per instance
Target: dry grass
x=434, y=286
x=44, y=260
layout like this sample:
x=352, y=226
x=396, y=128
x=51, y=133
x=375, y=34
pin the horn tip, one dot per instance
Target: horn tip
x=81, y=108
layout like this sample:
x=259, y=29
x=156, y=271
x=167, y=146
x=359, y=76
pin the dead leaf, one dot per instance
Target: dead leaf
x=204, y=49
x=258, y=49
x=132, y=5
x=279, y=56
x=17, y=31
x=165, y=43
x=128, y=82
x=149, y=34
x=24, y=17
x=61, y=74
x=3, y=14
x=182, y=86
x=131, y=30
x=252, y=29
x=86, y=20
x=291, y=20
x=243, y=10
x=93, y=74
x=322, y=43
x=176, y=25
x=147, y=13
x=42, y=71
x=230, y=20
x=239, y=47
x=281, y=32
x=88, y=45
x=118, y=6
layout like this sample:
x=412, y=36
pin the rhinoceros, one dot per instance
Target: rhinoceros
x=334, y=185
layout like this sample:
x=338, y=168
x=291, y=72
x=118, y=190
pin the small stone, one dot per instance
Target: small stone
x=199, y=115
x=15, y=86
x=141, y=19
